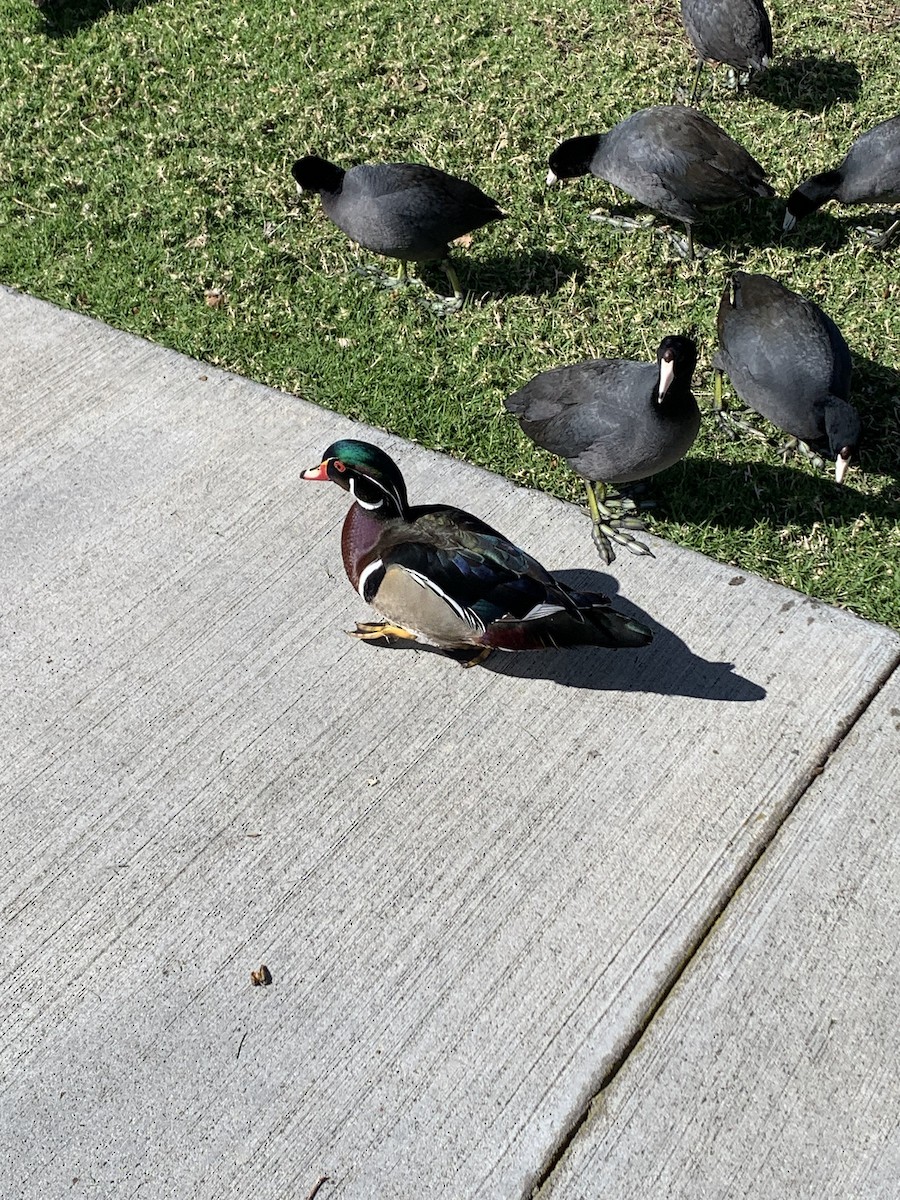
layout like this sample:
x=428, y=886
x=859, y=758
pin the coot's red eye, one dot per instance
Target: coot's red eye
x=339, y=466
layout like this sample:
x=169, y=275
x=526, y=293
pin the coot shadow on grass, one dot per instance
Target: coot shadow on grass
x=875, y=389
x=826, y=230
x=536, y=272
x=64, y=18
x=708, y=491
x=729, y=229
x=809, y=83
x=525, y=273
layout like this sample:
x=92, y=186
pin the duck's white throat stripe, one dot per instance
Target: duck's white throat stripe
x=363, y=503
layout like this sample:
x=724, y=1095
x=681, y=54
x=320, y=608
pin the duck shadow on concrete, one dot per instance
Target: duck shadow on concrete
x=667, y=666
x=64, y=18
x=809, y=83
x=535, y=272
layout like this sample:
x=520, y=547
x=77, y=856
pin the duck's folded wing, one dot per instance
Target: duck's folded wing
x=495, y=588
x=479, y=572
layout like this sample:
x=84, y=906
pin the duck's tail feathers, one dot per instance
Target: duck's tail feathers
x=597, y=625
x=614, y=629
x=611, y=627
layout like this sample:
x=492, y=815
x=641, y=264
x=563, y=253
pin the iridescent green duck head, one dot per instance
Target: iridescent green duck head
x=371, y=477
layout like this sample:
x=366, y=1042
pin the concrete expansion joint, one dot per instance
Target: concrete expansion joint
x=559, y=1151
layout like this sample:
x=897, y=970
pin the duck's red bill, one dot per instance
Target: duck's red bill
x=317, y=474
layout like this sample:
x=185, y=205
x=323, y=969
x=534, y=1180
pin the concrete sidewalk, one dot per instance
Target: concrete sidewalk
x=472, y=889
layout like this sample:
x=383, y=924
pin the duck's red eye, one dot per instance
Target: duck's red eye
x=339, y=466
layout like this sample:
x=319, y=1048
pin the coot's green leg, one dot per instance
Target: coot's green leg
x=729, y=423
x=450, y=304
x=607, y=528
x=697, y=72
x=384, y=279
x=795, y=446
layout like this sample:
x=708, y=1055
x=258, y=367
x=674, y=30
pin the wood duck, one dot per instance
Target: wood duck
x=442, y=577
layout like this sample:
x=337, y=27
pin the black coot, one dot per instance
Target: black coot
x=788, y=361
x=735, y=32
x=405, y=211
x=670, y=158
x=614, y=421
x=870, y=172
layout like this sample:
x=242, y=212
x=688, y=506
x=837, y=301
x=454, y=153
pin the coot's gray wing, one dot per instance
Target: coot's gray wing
x=586, y=413
x=673, y=159
x=842, y=364
x=777, y=354
x=706, y=166
x=445, y=205
x=871, y=169
x=408, y=209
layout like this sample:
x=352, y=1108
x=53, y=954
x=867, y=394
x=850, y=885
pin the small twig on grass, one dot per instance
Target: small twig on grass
x=41, y=212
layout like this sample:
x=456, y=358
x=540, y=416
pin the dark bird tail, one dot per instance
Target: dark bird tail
x=589, y=622
x=615, y=630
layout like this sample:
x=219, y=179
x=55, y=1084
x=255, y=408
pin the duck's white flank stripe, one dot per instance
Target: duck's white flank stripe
x=373, y=566
x=464, y=614
x=363, y=503
x=543, y=610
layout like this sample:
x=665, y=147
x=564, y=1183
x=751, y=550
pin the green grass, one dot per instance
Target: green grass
x=145, y=162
